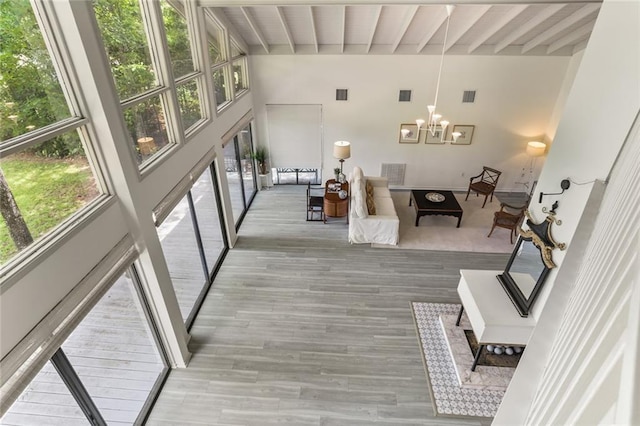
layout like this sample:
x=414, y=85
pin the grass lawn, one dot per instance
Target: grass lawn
x=47, y=191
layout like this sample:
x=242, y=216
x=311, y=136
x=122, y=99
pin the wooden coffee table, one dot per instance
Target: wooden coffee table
x=424, y=207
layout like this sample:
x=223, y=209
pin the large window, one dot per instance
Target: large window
x=193, y=243
x=45, y=174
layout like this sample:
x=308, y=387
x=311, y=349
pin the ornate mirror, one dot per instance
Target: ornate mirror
x=530, y=262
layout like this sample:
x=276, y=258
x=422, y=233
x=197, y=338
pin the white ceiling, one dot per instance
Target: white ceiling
x=550, y=28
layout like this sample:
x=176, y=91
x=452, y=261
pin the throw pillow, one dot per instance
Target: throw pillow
x=371, y=205
x=369, y=189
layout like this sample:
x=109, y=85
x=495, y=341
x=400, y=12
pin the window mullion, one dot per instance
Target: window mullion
x=77, y=389
x=131, y=102
x=196, y=230
x=20, y=143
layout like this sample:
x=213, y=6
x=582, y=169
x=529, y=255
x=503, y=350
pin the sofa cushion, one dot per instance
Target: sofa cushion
x=381, y=192
x=385, y=207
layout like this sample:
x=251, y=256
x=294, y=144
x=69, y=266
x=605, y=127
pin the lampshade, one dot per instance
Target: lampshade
x=536, y=149
x=341, y=150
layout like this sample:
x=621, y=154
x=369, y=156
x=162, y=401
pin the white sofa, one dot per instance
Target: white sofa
x=374, y=220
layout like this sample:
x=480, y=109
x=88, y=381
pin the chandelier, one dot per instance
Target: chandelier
x=435, y=119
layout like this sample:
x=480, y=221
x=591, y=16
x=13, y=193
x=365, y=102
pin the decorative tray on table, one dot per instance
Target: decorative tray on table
x=434, y=197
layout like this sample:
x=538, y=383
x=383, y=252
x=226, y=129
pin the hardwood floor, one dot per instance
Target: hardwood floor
x=302, y=328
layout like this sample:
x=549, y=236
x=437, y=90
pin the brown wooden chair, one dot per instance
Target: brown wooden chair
x=509, y=217
x=485, y=183
x=315, y=203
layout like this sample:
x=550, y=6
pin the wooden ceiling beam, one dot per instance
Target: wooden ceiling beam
x=411, y=13
x=497, y=26
x=547, y=35
x=256, y=29
x=440, y=19
x=285, y=27
x=373, y=28
x=466, y=26
x=572, y=37
x=547, y=13
x=344, y=28
x=314, y=32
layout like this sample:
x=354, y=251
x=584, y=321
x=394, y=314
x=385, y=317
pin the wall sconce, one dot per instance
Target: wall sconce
x=564, y=184
x=535, y=149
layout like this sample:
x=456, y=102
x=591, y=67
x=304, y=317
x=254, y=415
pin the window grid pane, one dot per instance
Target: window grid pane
x=30, y=94
x=123, y=33
x=214, y=37
x=147, y=126
x=189, y=100
x=235, y=50
x=220, y=87
x=177, y=40
x=239, y=80
x=42, y=186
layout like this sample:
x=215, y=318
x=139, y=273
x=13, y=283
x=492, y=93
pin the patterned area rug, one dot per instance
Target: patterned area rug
x=449, y=398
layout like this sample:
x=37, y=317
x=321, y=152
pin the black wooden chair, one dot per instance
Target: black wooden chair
x=509, y=217
x=315, y=203
x=485, y=183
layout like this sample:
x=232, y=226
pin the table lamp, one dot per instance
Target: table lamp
x=341, y=151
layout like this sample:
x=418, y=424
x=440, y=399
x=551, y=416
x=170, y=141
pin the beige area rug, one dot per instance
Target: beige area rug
x=440, y=232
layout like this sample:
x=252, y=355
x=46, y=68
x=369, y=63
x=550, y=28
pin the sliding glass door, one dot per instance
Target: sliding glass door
x=194, y=243
x=106, y=372
x=241, y=176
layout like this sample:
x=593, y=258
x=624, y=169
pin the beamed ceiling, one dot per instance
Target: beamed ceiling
x=497, y=28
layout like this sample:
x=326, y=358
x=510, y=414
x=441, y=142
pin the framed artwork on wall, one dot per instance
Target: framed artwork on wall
x=436, y=138
x=408, y=133
x=466, y=134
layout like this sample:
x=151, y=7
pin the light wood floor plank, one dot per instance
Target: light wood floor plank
x=301, y=327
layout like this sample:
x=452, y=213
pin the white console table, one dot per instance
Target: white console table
x=493, y=317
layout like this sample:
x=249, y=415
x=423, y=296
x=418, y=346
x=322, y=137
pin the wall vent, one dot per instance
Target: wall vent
x=404, y=96
x=341, y=94
x=394, y=172
x=469, y=97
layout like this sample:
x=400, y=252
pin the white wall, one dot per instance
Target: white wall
x=515, y=100
x=606, y=90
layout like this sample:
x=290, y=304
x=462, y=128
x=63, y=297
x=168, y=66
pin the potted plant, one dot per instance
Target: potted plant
x=260, y=155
